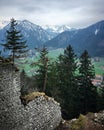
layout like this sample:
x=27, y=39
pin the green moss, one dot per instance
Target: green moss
x=90, y=115
x=79, y=123
x=27, y=98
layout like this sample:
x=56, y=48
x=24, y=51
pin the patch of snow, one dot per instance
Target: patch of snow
x=56, y=28
x=96, y=31
x=28, y=25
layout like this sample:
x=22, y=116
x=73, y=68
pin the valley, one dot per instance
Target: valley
x=52, y=65
x=56, y=39
x=25, y=64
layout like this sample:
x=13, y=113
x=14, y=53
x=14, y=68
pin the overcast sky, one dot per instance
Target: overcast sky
x=75, y=13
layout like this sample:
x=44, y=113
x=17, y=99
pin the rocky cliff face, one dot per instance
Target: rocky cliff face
x=39, y=114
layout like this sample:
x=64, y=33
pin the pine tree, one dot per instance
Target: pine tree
x=41, y=75
x=52, y=81
x=67, y=67
x=68, y=64
x=88, y=92
x=14, y=42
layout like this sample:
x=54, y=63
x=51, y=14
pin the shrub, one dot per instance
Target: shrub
x=79, y=123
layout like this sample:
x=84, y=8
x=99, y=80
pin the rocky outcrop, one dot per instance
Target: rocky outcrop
x=39, y=114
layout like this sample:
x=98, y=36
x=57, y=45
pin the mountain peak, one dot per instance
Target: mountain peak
x=28, y=25
x=57, y=28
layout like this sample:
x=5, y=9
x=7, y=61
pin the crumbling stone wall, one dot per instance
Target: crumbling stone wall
x=39, y=114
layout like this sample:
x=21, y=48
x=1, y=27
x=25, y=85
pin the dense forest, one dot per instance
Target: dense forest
x=68, y=79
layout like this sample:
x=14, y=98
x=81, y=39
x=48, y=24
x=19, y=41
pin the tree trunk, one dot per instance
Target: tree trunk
x=45, y=77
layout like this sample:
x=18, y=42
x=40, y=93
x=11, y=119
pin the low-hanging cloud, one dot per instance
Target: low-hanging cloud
x=76, y=13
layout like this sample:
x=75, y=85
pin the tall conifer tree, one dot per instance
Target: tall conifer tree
x=15, y=42
x=42, y=65
x=67, y=68
x=87, y=89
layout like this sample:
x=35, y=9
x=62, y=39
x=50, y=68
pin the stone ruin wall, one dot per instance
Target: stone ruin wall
x=39, y=114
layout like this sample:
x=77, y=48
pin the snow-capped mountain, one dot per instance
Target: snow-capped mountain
x=90, y=38
x=57, y=29
x=33, y=33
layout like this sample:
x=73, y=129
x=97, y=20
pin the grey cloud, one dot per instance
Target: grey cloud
x=83, y=11
x=53, y=4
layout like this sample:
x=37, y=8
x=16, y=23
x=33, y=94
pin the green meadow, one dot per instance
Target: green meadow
x=53, y=54
x=99, y=66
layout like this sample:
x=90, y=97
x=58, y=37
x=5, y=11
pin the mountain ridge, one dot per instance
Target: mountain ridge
x=90, y=38
x=34, y=34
